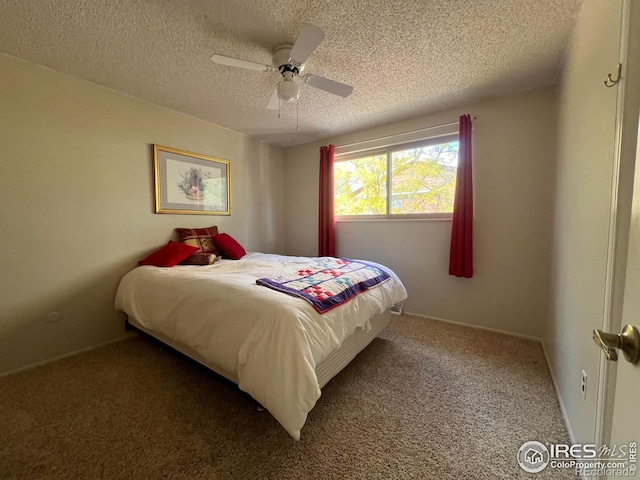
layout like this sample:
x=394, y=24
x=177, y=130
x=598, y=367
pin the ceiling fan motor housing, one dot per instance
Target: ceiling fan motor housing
x=281, y=60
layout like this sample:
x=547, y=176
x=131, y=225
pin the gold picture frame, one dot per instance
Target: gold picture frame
x=191, y=183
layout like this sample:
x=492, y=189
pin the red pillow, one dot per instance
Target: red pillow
x=230, y=248
x=169, y=255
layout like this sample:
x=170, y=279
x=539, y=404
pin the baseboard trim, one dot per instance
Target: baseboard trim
x=567, y=423
x=479, y=327
x=126, y=336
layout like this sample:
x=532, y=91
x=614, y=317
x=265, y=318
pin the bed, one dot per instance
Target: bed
x=275, y=346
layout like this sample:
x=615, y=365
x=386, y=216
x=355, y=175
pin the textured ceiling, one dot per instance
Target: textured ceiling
x=404, y=58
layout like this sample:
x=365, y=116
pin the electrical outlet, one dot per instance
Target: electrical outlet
x=583, y=385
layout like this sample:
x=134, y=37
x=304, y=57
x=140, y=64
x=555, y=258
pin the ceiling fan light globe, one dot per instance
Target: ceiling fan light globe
x=288, y=91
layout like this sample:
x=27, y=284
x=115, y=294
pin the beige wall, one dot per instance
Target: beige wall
x=76, y=203
x=514, y=162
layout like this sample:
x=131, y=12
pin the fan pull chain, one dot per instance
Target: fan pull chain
x=279, y=107
x=297, y=115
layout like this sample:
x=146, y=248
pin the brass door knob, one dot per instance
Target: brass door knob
x=628, y=341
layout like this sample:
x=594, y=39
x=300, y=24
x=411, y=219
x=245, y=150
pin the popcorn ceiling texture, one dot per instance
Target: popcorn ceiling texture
x=404, y=58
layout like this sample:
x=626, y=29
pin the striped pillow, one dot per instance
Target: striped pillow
x=200, y=259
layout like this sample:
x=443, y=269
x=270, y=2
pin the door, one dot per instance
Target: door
x=625, y=426
x=625, y=419
x=625, y=415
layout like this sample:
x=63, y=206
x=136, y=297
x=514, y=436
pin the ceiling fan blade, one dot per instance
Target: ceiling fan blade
x=330, y=86
x=308, y=40
x=274, y=101
x=236, y=62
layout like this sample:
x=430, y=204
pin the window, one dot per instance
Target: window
x=411, y=180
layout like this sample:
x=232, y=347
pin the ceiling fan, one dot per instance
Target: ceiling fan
x=289, y=61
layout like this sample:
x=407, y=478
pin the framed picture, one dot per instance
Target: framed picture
x=190, y=183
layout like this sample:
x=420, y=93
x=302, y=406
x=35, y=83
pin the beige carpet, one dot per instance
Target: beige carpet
x=426, y=400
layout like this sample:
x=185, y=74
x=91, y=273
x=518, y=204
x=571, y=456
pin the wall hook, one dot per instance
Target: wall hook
x=610, y=82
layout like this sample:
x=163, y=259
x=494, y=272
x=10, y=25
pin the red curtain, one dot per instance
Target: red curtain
x=461, y=254
x=326, y=221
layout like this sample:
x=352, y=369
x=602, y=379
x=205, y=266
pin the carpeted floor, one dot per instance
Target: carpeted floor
x=426, y=400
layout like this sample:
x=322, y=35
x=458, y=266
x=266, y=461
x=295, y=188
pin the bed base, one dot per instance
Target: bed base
x=325, y=370
x=351, y=346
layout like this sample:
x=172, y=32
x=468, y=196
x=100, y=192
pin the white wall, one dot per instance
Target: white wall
x=77, y=203
x=514, y=164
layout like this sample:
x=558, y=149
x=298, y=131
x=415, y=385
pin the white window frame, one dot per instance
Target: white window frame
x=388, y=151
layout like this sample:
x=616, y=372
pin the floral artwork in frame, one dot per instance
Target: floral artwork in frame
x=190, y=183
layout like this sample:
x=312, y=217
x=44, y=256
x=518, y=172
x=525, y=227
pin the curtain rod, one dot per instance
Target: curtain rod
x=401, y=133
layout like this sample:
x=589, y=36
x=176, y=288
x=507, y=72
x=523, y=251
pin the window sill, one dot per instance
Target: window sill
x=394, y=218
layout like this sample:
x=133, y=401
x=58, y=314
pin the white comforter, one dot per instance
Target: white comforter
x=271, y=342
